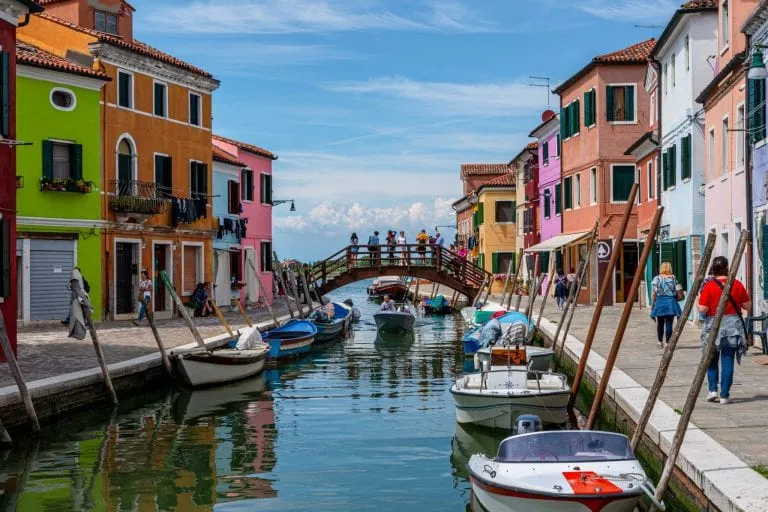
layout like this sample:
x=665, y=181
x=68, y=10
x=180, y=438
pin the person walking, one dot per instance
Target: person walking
x=731, y=341
x=561, y=288
x=145, y=293
x=664, y=306
x=354, y=243
x=373, y=249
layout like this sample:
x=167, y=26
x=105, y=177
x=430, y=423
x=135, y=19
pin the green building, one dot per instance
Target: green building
x=58, y=183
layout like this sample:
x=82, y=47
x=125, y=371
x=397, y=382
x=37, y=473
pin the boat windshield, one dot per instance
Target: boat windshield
x=565, y=446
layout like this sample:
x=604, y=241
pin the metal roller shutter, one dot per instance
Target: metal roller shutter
x=50, y=265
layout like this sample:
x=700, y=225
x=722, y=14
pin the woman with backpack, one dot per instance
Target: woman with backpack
x=561, y=288
x=664, y=306
x=731, y=341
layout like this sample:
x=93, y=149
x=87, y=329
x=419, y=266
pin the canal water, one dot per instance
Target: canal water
x=363, y=424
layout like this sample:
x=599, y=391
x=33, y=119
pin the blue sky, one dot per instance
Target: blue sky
x=372, y=105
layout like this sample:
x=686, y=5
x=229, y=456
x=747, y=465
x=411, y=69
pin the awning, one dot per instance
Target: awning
x=556, y=242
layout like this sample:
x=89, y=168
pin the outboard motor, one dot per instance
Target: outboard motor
x=527, y=423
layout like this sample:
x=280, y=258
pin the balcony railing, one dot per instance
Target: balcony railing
x=138, y=197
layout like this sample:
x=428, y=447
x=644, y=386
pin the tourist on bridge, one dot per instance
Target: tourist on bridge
x=373, y=249
x=462, y=251
x=731, y=341
x=402, y=243
x=421, y=239
x=391, y=245
x=388, y=305
x=354, y=243
x=561, y=288
x=664, y=306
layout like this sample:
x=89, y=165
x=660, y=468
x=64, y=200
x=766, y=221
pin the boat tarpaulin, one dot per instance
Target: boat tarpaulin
x=556, y=242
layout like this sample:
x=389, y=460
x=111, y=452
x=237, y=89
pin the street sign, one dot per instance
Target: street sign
x=603, y=250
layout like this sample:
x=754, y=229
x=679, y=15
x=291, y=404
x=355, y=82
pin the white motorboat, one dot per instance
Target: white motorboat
x=200, y=367
x=539, y=358
x=478, y=316
x=561, y=471
x=496, y=397
x=394, y=321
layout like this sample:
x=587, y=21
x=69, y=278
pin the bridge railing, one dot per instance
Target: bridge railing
x=412, y=256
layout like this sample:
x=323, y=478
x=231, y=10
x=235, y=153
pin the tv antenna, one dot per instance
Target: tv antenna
x=537, y=83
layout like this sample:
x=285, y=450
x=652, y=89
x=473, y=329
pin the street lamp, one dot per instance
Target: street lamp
x=277, y=202
x=757, y=69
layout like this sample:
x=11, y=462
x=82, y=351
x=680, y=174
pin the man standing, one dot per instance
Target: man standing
x=373, y=248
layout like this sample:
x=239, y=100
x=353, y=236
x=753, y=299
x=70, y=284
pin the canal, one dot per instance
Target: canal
x=360, y=424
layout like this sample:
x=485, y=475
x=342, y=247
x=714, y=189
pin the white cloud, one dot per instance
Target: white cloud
x=443, y=98
x=654, y=11
x=307, y=16
x=293, y=223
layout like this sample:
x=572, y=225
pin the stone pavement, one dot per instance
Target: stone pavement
x=44, y=350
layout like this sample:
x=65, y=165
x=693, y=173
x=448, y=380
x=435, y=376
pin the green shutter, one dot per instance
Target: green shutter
x=609, y=103
x=545, y=151
x=480, y=214
x=202, y=174
x=765, y=261
x=547, y=204
x=576, y=116
x=673, y=166
x=686, y=164
x=481, y=261
x=756, y=109
x=558, y=198
x=568, y=193
x=668, y=252
x=76, y=161
x=5, y=94
x=623, y=179
x=564, y=122
x=629, y=103
x=513, y=258
x=544, y=262
x=474, y=220
x=664, y=170
x=495, y=263
x=47, y=159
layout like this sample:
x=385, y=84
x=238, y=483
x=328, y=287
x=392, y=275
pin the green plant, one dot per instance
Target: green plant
x=133, y=204
x=65, y=185
x=762, y=469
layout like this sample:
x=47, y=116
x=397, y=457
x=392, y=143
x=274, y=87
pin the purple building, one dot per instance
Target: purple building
x=548, y=135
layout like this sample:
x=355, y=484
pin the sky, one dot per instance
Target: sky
x=373, y=105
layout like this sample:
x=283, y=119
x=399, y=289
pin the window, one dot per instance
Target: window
x=547, y=203
x=590, y=114
x=502, y=260
x=756, y=109
x=724, y=244
x=666, y=77
x=652, y=100
x=235, y=266
x=265, y=189
x=558, y=199
x=565, y=122
x=651, y=178
x=266, y=256
x=161, y=99
x=5, y=93
x=528, y=226
x=124, y=89
x=740, y=136
x=620, y=103
x=725, y=155
x=198, y=179
x=711, y=153
x=246, y=184
x=192, y=263
x=568, y=192
x=194, y=109
x=593, y=185
x=545, y=153
x=62, y=160
x=125, y=168
x=559, y=145
x=578, y=190
x=505, y=211
x=622, y=179
x=685, y=157
x=233, y=198
x=639, y=196
x=63, y=99
x=687, y=53
x=670, y=167
x=163, y=176
x=574, y=117
x=105, y=22
x=725, y=25
x=569, y=119
x=673, y=69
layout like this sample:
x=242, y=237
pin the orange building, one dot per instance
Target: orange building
x=156, y=156
x=604, y=110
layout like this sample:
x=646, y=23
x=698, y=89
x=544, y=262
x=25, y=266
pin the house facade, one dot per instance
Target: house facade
x=255, y=215
x=11, y=11
x=497, y=228
x=59, y=203
x=604, y=110
x=523, y=167
x=156, y=147
x=469, y=210
x=548, y=137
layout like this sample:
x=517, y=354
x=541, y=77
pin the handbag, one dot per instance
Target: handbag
x=736, y=307
x=679, y=292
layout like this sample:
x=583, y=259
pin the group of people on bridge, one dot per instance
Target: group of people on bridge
x=394, y=249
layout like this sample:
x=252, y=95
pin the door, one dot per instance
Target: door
x=161, y=260
x=126, y=274
x=124, y=175
x=221, y=290
x=50, y=266
x=251, y=286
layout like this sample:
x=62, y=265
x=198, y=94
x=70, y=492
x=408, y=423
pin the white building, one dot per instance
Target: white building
x=685, y=52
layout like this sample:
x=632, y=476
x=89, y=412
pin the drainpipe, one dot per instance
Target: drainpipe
x=748, y=184
x=24, y=23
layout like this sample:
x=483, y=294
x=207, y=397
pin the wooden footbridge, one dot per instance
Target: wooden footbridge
x=439, y=265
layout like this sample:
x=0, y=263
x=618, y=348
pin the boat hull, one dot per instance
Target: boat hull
x=328, y=331
x=396, y=291
x=220, y=367
x=394, y=322
x=284, y=348
x=500, y=411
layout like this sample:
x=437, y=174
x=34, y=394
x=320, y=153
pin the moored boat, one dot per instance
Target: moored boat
x=474, y=316
x=199, y=367
x=511, y=321
x=328, y=330
x=561, y=470
x=393, y=286
x=539, y=358
x=293, y=338
x=437, y=306
x=394, y=321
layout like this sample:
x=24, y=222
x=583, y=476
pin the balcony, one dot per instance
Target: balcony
x=136, y=199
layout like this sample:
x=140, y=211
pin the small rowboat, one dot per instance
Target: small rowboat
x=199, y=367
x=437, y=306
x=394, y=321
x=291, y=339
x=332, y=329
x=395, y=287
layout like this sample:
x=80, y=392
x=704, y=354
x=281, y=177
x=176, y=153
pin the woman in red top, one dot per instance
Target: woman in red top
x=731, y=340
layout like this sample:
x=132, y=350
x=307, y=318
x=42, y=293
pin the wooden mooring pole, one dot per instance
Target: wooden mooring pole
x=182, y=309
x=706, y=358
x=222, y=320
x=625, y=314
x=666, y=359
x=517, y=285
x=518, y=266
x=550, y=278
x=18, y=376
x=480, y=292
x=263, y=292
x=156, y=334
x=604, y=287
x=243, y=314
x=279, y=267
x=506, y=283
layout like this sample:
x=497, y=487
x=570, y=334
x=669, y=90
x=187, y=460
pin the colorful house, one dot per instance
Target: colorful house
x=604, y=110
x=468, y=211
x=156, y=151
x=11, y=11
x=59, y=202
x=256, y=212
x=688, y=40
x=524, y=167
x=724, y=99
x=497, y=228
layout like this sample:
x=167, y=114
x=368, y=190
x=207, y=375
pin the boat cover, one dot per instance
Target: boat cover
x=438, y=302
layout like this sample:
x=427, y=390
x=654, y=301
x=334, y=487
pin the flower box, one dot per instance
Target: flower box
x=65, y=185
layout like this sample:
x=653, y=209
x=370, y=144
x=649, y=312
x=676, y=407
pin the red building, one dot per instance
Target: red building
x=12, y=13
x=531, y=227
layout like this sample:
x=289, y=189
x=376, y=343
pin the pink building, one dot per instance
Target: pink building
x=548, y=135
x=256, y=208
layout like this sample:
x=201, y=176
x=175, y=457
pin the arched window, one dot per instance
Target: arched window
x=126, y=165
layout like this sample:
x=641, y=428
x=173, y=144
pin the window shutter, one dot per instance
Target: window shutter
x=586, y=108
x=480, y=214
x=568, y=193
x=673, y=166
x=667, y=252
x=685, y=167
x=76, y=161
x=513, y=259
x=558, y=198
x=564, y=122
x=495, y=263
x=576, y=116
x=5, y=94
x=759, y=109
x=202, y=174
x=545, y=151
x=765, y=261
x=47, y=159
x=609, y=103
x=629, y=103
x=547, y=206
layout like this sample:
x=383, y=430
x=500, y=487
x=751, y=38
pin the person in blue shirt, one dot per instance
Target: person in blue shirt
x=388, y=305
x=373, y=248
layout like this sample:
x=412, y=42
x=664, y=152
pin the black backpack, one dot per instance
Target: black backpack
x=86, y=286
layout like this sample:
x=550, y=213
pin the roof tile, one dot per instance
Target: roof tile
x=33, y=56
x=480, y=169
x=636, y=53
x=700, y=4
x=247, y=147
x=220, y=155
x=505, y=180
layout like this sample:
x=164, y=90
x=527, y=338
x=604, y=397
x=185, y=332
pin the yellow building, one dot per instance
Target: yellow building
x=495, y=217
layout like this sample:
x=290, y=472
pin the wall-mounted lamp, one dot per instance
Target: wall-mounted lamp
x=277, y=202
x=757, y=69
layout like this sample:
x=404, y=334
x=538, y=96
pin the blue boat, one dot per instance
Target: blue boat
x=328, y=330
x=471, y=339
x=293, y=338
x=437, y=306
